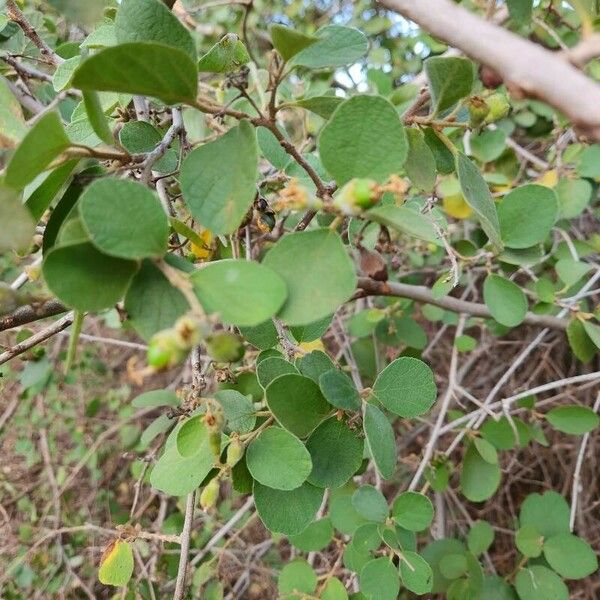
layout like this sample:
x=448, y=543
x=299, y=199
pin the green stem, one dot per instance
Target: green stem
x=73, y=339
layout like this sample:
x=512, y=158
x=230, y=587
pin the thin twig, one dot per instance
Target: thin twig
x=185, y=546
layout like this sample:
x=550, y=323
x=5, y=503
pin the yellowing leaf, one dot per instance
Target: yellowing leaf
x=205, y=251
x=116, y=565
x=549, y=178
x=310, y=346
x=456, y=207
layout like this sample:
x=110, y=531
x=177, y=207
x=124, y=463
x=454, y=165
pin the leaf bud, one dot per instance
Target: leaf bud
x=478, y=110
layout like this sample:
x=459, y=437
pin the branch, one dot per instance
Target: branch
x=424, y=294
x=528, y=69
x=29, y=313
x=185, y=546
x=14, y=14
x=163, y=145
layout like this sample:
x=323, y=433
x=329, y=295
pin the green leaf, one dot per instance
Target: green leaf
x=124, y=219
x=218, y=179
x=288, y=42
x=64, y=73
x=44, y=142
x=143, y=68
x=228, y=54
x=160, y=425
x=18, y=226
x=549, y=513
x=570, y=556
x=271, y=149
x=505, y=299
x=370, y=503
x=479, y=479
x=420, y=163
x=406, y=387
x=296, y=578
x=116, y=564
x=574, y=419
x=450, y=79
x=416, y=573
x=527, y=215
x=486, y=450
x=139, y=137
x=85, y=279
x=272, y=367
x=278, y=459
x=571, y=271
x=287, y=512
x=152, y=21
x=192, y=436
x=579, y=341
x=433, y=553
x=538, y=582
x=573, y=195
x=241, y=292
x=324, y=106
x=477, y=195
x=179, y=475
x=12, y=122
x=336, y=46
x=529, y=541
x=406, y=220
x=317, y=271
x=315, y=537
x=453, y=566
x=297, y=403
x=239, y=411
x=336, y=453
x=413, y=511
x=314, y=364
x=343, y=514
x=379, y=580
x=520, y=10
x=364, y=138
x=96, y=117
x=593, y=332
x=339, y=390
x=152, y=303
x=488, y=145
x=156, y=398
x=381, y=441
x=262, y=336
x=334, y=590
x=480, y=537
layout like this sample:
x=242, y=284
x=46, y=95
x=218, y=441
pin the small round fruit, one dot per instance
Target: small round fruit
x=225, y=347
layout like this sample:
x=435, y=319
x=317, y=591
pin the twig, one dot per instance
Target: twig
x=163, y=145
x=185, y=546
x=37, y=338
x=577, y=472
x=31, y=312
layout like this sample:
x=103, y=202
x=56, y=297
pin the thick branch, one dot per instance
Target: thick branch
x=423, y=294
x=31, y=312
x=526, y=68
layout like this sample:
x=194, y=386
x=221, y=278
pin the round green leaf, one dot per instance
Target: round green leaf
x=480, y=537
x=450, y=79
x=192, y=436
x=453, y=566
x=314, y=364
x=570, y=556
x=478, y=479
x=574, y=419
x=85, y=279
x=278, y=459
x=242, y=292
x=573, y=196
x=272, y=367
x=218, y=179
x=296, y=578
x=336, y=453
x=315, y=537
x=370, y=503
x=527, y=214
x=342, y=512
x=334, y=590
x=335, y=46
x=505, y=299
x=406, y=387
x=317, y=271
x=141, y=136
x=239, y=411
x=413, y=511
x=339, y=390
x=363, y=138
x=124, y=219
x=433, y=553
x=379, y=580
x=539, y=582
x=297, y=403
x=116, y=565
x=381, y=441
x=287, y=512
x=416, y=573
x=529, y=541
x=155, y=398
x=549, y=513
x=486, y=450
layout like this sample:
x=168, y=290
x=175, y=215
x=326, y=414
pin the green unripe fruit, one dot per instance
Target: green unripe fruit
x=235, y=451
x=355, y=196
x=187, y=332
x=164, y=350
x=209, y=495
x=478, y=110
x=214, y=441
x=225, y=347
x=499, y=107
